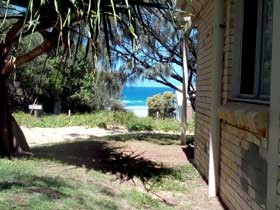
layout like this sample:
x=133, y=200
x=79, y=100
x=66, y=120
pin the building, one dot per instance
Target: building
x=238, y=99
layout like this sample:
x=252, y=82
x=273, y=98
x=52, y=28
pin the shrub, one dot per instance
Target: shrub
x=138, y=126
x=161, y=105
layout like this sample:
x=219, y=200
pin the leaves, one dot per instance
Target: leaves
x=104, y=21
x=161, y=105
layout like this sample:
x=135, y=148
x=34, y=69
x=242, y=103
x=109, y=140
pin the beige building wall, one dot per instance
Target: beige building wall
x=244, y=126
x=203, y=97
x=243, y=166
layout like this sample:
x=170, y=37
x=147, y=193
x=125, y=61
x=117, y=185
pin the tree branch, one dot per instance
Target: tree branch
x=13, y=63
x=45, y=47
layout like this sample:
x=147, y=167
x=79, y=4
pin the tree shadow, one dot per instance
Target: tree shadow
x=189, y=151
x=99, y=155
x=156, y=138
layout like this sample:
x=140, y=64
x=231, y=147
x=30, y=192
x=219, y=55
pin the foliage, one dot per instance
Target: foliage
x=79, y=87
x=65, y=26
x=103, y=119
x=96, y=90
x=158, y=53
x=162, y=105
x=75, y=25
x=140, y=125
x=65, y=30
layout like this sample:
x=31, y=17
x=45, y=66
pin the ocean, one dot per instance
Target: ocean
x=135, y=98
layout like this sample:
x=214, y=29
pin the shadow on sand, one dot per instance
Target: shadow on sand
x=98, y=154
x=101, y=156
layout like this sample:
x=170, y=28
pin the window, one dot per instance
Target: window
x=256, y=49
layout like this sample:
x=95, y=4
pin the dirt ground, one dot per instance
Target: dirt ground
x=163, y=149
x=174, y=156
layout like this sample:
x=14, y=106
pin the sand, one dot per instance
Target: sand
x=38, y=136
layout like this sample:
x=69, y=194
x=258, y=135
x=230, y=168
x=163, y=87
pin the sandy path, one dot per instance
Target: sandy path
x=38, y=136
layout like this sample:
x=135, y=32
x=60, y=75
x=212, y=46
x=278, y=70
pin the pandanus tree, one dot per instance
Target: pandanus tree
x=63, y=25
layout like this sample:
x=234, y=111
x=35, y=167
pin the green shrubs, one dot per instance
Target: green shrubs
x=167, y=125
x=103, y=119
x=161, y=105
x=139, y=124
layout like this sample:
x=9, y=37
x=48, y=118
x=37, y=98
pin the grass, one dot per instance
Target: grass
x=142, y=200
x=44, y=183
x=91, y=174
x=102, y=119
x=25, y=185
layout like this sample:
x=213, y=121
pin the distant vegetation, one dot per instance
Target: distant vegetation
x=74, y=83
x=103, y=119
x=162, y=105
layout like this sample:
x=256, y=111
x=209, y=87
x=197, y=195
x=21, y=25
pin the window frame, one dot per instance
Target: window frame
x=237, y=56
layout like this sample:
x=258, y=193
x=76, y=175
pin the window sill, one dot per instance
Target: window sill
x=250, y=117
x=251, y=101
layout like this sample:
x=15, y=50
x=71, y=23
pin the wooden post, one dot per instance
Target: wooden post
x=185, y=86
x=274, y=116
x=36, y=113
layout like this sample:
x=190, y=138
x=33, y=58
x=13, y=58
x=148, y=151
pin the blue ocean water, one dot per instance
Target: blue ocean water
x=135, y=98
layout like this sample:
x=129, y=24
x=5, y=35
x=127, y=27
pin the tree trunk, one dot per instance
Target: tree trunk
x=12, y=140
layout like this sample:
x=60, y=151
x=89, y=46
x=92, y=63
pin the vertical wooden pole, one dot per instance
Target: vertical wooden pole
x=185, y=86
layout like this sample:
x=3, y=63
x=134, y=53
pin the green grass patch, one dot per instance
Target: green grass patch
x=42, y=185
x=142, y=200
x=102, y=119
x=25, y=185
x=177, y=180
